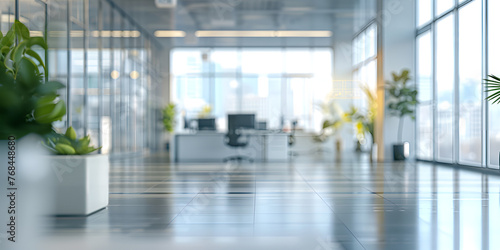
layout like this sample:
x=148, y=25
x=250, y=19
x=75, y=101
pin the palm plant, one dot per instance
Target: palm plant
x=493, y=85
x=402, y=99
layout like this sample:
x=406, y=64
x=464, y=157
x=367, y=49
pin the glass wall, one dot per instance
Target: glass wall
x=450, y=67
x=263, y=81
x=105, y=61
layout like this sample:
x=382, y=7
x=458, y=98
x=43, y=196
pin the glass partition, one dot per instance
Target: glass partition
x=103, y=59
x=77, y=86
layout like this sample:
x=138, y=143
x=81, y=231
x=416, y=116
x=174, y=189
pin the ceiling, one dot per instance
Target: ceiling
x=341, y=17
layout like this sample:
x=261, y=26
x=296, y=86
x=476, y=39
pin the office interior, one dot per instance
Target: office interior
x=248, y=164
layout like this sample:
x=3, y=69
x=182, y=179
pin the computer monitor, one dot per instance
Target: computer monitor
x=240, y=121
x=261, y=125
x=206, y=124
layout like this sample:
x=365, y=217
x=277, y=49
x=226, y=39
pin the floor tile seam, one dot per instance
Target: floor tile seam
x=180, y=212
x=334, y=213
x=381, y=196
x=362, y=186
x=149, y=189
x=188, y=204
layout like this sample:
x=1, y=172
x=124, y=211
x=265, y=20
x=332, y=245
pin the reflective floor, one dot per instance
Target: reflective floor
x=302, y=204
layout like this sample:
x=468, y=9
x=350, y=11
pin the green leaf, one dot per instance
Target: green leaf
x=65, y=140
x=43, y=112
x=493, y=87
x=37, y=41
x=35, y=55
x=8, y=63
x=5, y=50
x=495, y=77
x=27, y=73
x=18, y=52
x=46, y=100
x=34, y=68
x=65, y=149
x=8, y=39
x=50, y=113
x=83, y=145
x=22, y=31
x=70, y=133
x=50, y=87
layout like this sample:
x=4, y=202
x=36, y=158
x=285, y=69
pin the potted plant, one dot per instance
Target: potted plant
x=365, y=121
x=169, y=121
x=333, y=121
x=401, y=102
x=80, y=180
x=29, y=104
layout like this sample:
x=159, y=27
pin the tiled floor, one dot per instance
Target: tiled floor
x=302, y=204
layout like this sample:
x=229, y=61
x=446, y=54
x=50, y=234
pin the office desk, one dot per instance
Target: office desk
x=210, y=146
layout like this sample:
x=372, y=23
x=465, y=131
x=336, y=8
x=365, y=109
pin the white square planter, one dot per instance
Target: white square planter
x=80, y=183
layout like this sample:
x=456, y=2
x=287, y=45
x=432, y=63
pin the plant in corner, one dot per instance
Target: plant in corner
x=28, y=103
x=493, y=86
x=402, y=101
x=493, y=89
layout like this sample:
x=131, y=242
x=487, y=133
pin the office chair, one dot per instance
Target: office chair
x=234, y=140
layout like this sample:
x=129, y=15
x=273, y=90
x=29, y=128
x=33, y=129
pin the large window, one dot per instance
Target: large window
x=470, y=97
x=279, y=85
x=424, y=12
x=425, y=144
x=443, y=6
x=364, y=51
x=450, y=120
x=364, y=48
x=445, y=80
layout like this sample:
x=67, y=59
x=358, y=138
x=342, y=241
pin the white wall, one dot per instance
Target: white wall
x=398, y=20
